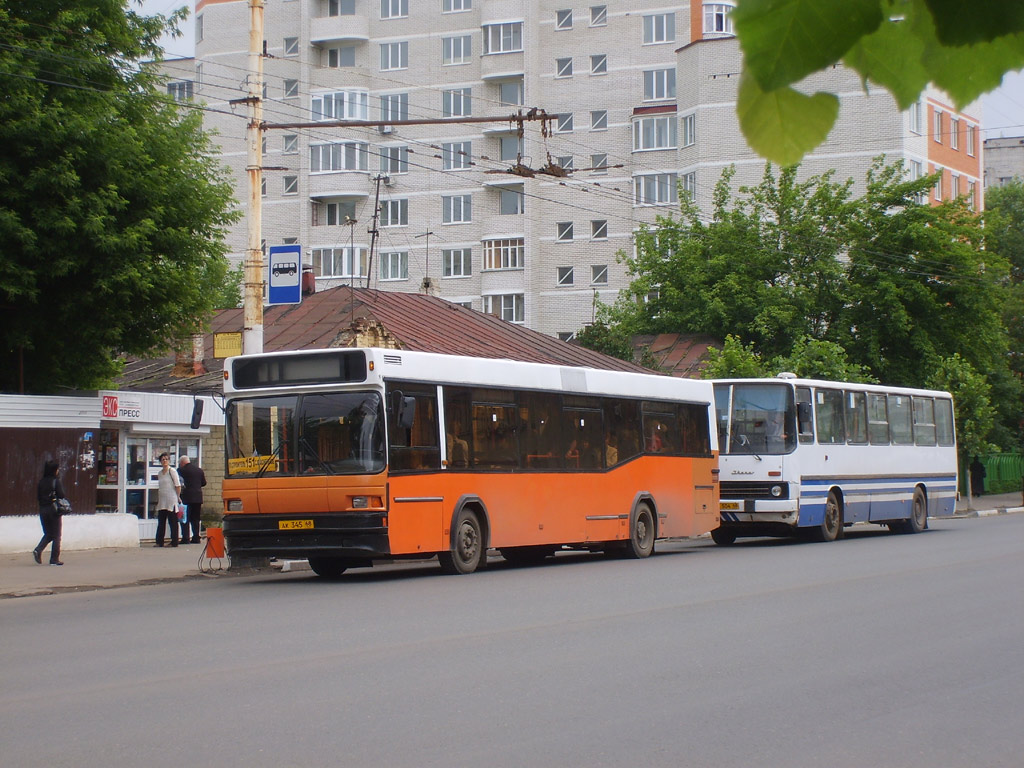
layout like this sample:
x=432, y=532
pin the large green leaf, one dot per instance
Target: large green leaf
x=783, y=41
x=960, y=23
x=783, y=125
x=891, y=57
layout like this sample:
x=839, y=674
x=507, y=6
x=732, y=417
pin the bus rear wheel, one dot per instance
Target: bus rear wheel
x=467, y=550
x=328, y=567
x=831, y=527
x=641, y=535
x=527, y=555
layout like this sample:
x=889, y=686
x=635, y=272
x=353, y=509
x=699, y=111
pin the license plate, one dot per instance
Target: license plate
x=291, y=525
x=731, y=505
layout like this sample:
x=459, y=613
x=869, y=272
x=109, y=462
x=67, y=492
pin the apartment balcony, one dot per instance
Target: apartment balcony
x=336, y=29
x=502, y=66
x=339, y=184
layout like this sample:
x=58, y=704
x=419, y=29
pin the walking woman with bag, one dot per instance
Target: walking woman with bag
x=48, y=491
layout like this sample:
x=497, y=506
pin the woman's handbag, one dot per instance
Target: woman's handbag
x=63, y=506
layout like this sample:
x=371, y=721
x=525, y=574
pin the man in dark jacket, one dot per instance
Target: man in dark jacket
x=192, y=481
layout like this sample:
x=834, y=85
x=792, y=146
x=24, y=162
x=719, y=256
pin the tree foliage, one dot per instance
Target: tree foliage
x=112, y=214
x=901, y=45
x=802, y=276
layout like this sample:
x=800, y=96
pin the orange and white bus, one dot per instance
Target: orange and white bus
x=347, y=456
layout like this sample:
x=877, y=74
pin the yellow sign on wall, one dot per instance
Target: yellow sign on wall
x=227, y=344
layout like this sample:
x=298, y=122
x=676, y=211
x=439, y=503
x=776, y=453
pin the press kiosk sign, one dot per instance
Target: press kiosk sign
x=285, y=274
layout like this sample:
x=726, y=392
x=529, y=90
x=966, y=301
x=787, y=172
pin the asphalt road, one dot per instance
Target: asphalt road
x=879, y=650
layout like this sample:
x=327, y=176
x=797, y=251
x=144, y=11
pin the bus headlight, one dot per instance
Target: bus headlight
x=776, y=491
x=360, y=502
x=234, y=505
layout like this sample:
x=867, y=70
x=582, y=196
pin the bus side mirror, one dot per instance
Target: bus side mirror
x=804, y=417
x=406, y=412
x=197, y=413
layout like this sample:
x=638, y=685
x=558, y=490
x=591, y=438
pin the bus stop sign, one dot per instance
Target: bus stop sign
x=285, y=274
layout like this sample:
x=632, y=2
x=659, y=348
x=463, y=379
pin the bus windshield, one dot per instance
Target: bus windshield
x=332, y=433
x=762, y=418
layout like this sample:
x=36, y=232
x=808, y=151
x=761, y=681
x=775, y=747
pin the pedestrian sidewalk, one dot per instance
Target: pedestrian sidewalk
x=92, y=569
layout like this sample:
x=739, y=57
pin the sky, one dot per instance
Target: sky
x=1002, y=110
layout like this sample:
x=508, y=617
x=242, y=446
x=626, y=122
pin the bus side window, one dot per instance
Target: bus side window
x=944, y=422
x=856, y=418
x=694, y=429
x=622, y=431
x=829, y=416
x=539, y=431
x=458, y=432
x=413, y=439
x=899, y=420
x=924, y=421
x=878, y=421
x=804, y=415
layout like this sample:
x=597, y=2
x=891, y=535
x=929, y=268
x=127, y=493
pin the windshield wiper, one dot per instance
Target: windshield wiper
x=270, y=459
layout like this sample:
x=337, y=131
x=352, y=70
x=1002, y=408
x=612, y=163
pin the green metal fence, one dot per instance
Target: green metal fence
x=1004, y=473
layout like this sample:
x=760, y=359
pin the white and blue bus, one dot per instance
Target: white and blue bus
x=801, y=456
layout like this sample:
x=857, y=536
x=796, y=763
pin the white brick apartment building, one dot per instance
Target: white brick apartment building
x=645, y=97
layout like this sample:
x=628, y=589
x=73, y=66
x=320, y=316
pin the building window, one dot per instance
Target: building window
x=937, y=125
x=970, y=194
x=333, y=214
x=291, y=46
x=565, y=276
x=659, y=84
x=456, y=50
x=291, y=185
x=937, y=189
x=971, y=138
x=510, y=93
x=342, y=56
x=565, y=162
x=917, y=118
x=455, y=6
x=457, y=102
x=954, y=190
x=716, y=19
x=341, y=7
x=563, y=67
x=456, y=155
x=916, y=172
x=599, y=64
x=503, y=38
x=394, y=56
x=291, y=144
x=688, y=184
x=566, y=335
x=394, y=9
x=659, y=28
x=599, y=229
x=180, y=91
x=394, y=265
x=599, y=163
x=263, y=187
x=291, y=89
x=598, y=15
x=654, y=189
x=563, y=231
x=394, y=106
x=341, y=105
x=599, y=120
x=394, y=159
x=199, y=28
x=563, y=19
x=599, y=274
x=508, y=306
x=339, y=262
x=340, y=156
x=456, y=262
x=689, y=127
x=654, y=133
x=954, y=133
x=510, y=202
x=456, y=209
x=509, y=253
x=394, y=213
x=510, y=148
x=563, y=123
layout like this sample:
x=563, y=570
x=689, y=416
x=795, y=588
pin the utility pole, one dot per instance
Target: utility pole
x=373, y=227
x=252, y=333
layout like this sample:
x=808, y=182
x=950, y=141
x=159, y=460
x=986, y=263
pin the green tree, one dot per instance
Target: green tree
x=112, y=212
x=735, y=360
x=819, y=359
x=901, y=45
x=974, y=415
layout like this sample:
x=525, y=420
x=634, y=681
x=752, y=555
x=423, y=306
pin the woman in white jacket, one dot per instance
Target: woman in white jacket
x=168, y=498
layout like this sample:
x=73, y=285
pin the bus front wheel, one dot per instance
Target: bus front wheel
x=328, y=567
x=918, y=514
x=723, y=537
x=467, y=550
x=641, y=536
x=831, y=527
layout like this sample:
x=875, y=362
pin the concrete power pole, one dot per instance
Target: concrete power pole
x=252, y=333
